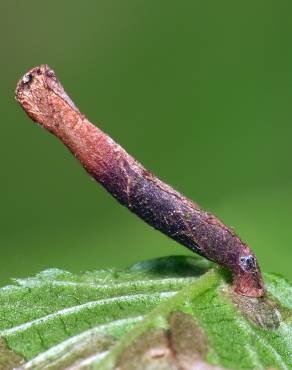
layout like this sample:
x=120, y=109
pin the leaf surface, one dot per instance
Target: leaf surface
x=169, y=313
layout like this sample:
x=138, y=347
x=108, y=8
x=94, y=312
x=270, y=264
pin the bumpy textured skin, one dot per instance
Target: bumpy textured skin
x=45, y=101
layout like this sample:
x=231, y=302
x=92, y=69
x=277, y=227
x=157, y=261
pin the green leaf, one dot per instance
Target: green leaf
x=169, y=313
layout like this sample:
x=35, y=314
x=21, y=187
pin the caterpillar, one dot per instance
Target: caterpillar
x=45, y=101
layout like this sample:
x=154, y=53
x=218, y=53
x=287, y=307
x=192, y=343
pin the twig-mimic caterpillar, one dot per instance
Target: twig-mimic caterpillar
x=43, y=98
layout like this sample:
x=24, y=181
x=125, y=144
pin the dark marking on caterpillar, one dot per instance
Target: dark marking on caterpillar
x=27, y=78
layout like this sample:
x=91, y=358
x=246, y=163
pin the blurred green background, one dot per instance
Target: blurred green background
x=199, y=91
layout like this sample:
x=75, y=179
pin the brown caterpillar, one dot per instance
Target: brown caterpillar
x=43, y=98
